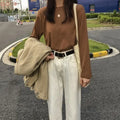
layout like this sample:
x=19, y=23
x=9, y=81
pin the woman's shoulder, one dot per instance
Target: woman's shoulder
x=80, y=8
x=42, y=10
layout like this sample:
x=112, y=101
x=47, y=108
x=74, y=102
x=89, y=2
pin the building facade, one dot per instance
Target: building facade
x=6, y=4
x=43, y=3
x=94, y=5
x=100, y=5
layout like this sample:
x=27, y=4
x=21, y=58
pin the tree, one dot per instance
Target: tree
x=1, y=11
x=26, y=11
x=8, y=10
x=16, y=10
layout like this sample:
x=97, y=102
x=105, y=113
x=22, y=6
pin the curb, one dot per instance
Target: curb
x=11, y=58
x=92, y=55
x=101, y=53
x=9, y=46
x=10, y=55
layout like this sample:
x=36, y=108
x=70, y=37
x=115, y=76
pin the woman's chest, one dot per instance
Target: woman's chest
x=58, y=26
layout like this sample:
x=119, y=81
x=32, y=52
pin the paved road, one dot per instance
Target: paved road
x=100, y=101
x=10, y=32
x=103, y=99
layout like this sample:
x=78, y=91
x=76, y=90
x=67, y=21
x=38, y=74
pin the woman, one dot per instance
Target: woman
x=56, y=22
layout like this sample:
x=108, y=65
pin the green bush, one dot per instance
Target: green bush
x=27, y=17
x=31, y=20
x=108, y=19
x=116, y=20
x=92, y=15
x=114, y=13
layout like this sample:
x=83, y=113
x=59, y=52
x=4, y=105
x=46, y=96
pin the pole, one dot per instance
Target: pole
x=21, y=9
x=28, y=10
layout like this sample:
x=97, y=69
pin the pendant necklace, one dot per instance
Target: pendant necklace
x=58, y=15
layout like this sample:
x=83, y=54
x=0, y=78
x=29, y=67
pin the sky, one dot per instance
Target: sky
x=24, y=4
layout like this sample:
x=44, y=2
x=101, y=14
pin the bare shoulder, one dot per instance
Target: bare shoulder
x=80, y=8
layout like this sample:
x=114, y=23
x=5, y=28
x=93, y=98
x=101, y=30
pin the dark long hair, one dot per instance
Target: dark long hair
x=50, y=10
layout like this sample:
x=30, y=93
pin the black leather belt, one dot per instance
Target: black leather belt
x=63, y=54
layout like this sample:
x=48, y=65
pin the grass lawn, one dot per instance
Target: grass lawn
x=95, y=23
x=21, y=46
x=93, y=46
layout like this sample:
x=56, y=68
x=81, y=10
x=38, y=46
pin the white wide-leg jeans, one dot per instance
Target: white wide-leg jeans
x=63, y=74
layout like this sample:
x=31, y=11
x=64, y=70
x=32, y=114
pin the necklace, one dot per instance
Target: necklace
x=58, y=15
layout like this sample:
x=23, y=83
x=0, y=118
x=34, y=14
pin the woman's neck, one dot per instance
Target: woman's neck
x=59, y=3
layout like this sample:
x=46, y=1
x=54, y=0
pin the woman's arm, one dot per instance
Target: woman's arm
x=38, y=28
x=83, y=43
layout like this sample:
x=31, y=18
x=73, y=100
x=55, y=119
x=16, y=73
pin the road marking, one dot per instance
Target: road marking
x=8, y=47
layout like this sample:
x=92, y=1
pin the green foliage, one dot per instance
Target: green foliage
x=95, y=46
x=92, y=15
x=8, y=10
x=111, y=14
x=26, y=9
x=27, y=17
x=113, y=18
x=18, y=47
x=21, y=46
x=16, y=10
x=108, y=19
x=114, y=13
x=1, y=11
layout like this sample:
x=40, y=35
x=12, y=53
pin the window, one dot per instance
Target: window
x=92, y=8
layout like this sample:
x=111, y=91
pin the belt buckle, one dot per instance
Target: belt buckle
x=62, y=55
x=59, y=57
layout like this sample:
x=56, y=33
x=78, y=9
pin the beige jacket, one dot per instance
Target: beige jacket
x=31, y=63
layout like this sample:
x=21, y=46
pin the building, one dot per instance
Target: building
x=6, y=4
x=94, y=5
x=43, y=3
x=35, y=5
x=100, y=5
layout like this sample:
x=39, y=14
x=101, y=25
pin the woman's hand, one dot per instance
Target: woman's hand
x=50, y=56
x=84, y=82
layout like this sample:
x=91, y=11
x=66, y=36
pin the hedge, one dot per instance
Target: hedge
x=27, y=17
x=111, y=14
x=92, y=15
x=31, y=20
x=88, y=15
x=108, y=19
